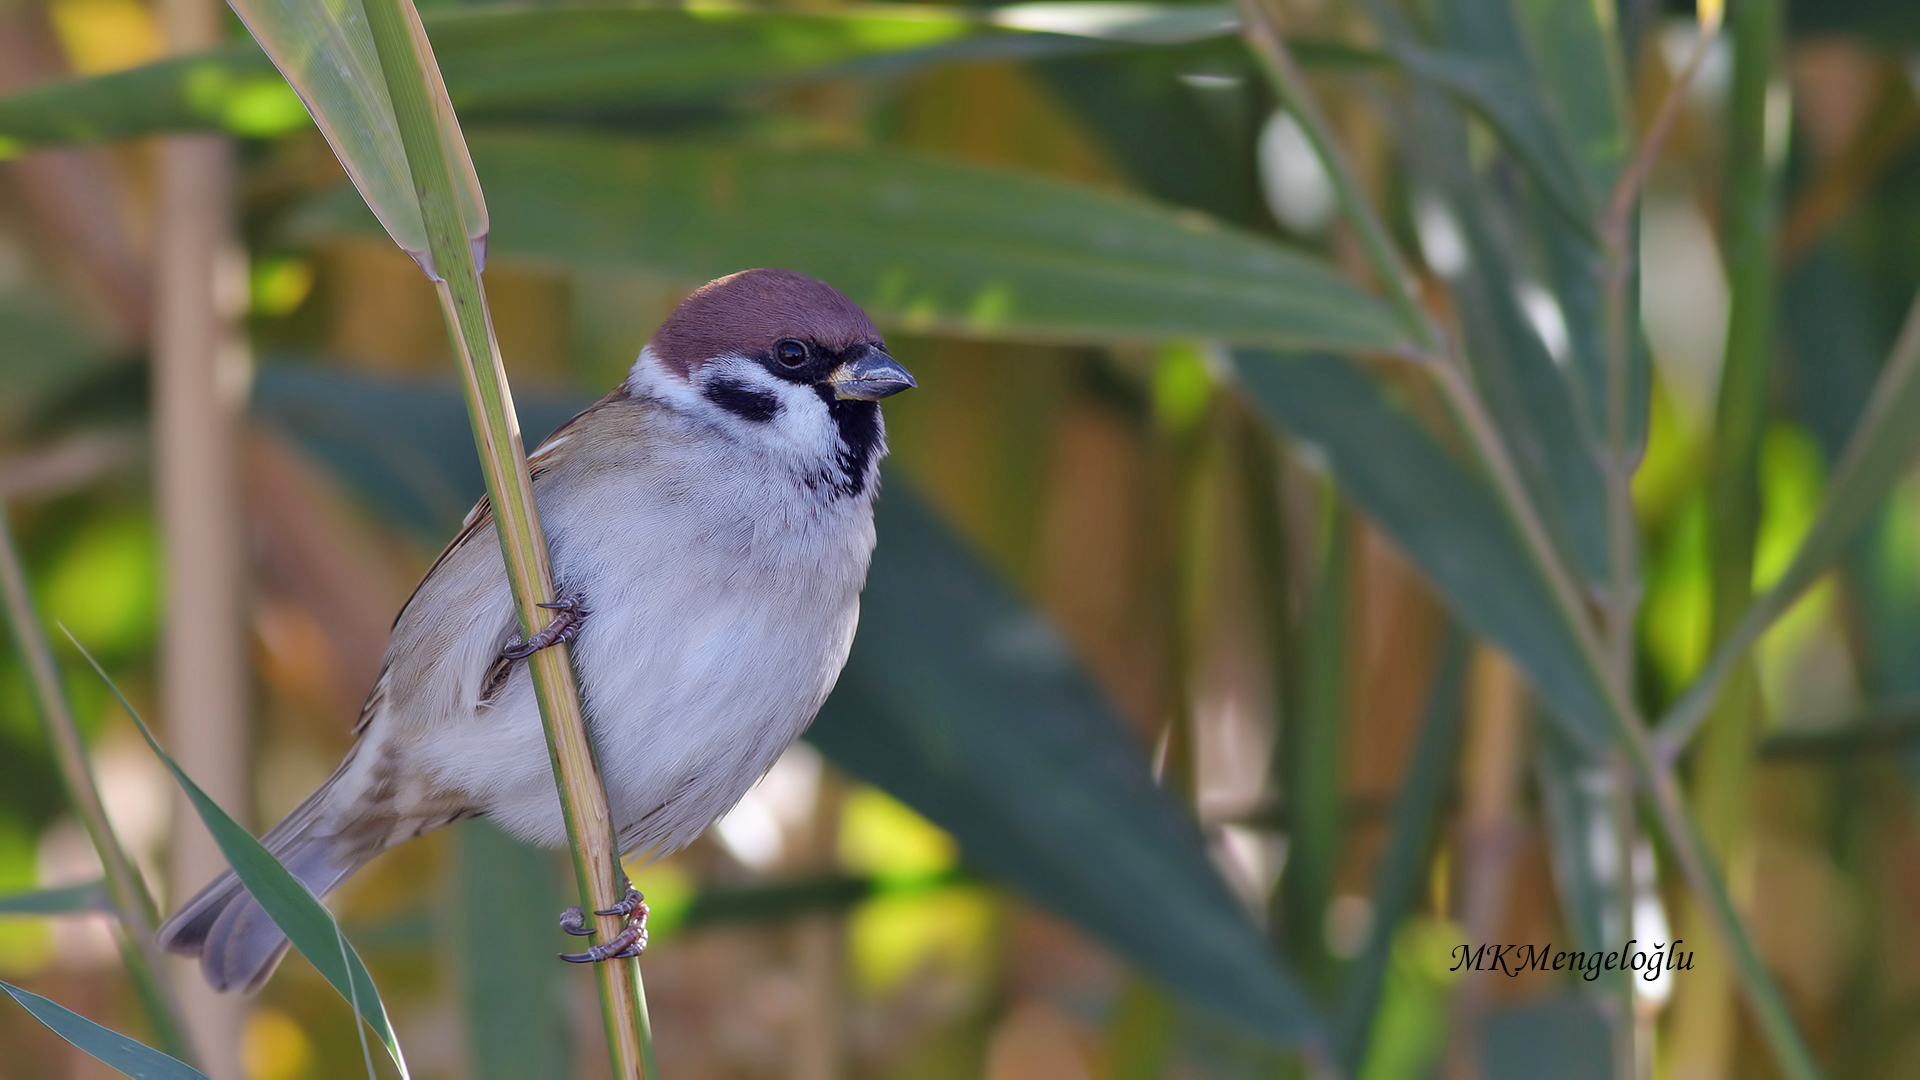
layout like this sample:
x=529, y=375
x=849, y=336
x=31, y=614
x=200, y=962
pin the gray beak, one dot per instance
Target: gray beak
x=870, y=378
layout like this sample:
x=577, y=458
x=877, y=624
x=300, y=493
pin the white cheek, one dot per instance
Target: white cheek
x=800, y=426
x=802, y=421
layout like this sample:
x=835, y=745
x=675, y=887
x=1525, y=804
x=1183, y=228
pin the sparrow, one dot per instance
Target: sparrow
x=710, y=524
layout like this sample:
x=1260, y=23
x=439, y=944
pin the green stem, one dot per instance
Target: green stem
x=1722, y=774
x=1312, y=759
x=1619, y=463
x=1621, y=460
x=1733, y=490
x=583, y=798
x=131, y=901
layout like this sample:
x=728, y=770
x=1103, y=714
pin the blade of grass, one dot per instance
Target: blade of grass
x=932, y=246
x=131, y=901
x=90, y=898
x=1402, y=867
x=105, y=1045
x=334, y=61
x=306, y=922
x=433, y=150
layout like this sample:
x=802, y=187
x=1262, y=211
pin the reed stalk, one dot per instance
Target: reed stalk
x=583, y=799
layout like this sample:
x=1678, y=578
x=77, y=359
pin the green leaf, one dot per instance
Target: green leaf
x=1560, y=68
x=1483, y=60
x=1506, y=99
x=1439, y=512
x=601, y=61
x=1189, y=148
x=306, y=922
x=1548, y=78
x=1882, y=446
x=958, y=700
x=234, y=89
x=329, y=55
x=965, y=704
x=105, y=1045
x=1556, y=449
x=1577, y=67
x=86, y=899
x=924, y=245
x=521, y=59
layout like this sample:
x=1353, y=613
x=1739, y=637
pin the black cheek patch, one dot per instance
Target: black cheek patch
x=858, y=423
x=742, y=400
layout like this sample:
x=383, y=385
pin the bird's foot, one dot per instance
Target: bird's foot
x=630, y=942
x=570, y=610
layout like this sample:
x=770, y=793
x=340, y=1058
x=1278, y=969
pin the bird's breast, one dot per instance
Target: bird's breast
x=715, y=631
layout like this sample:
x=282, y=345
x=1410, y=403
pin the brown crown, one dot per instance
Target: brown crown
x=745, y=313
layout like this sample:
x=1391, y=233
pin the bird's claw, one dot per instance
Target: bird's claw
x=630, y=942
x=574, y=922
x=570, y=610
x=628, y=904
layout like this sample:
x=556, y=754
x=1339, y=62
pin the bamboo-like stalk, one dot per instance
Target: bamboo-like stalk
x=199, y=402
x=1444, y=365
x=1722, y=779
x=1619, y=462
x=1489, y=831
x=132, y=903
x=1312, y=751
x=583, y=799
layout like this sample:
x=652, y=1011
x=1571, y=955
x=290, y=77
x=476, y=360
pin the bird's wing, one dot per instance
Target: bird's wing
x=449, y=632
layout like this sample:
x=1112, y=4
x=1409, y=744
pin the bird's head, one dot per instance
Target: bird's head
x=778, y=356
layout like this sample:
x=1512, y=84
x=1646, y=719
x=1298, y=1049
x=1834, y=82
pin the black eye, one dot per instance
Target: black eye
x=790, y=352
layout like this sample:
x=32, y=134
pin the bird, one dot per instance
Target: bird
x=710, y=525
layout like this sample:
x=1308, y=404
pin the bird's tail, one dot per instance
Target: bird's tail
x=238, y=945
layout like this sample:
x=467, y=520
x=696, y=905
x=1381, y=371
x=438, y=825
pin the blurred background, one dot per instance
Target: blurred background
x=1173, y=744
